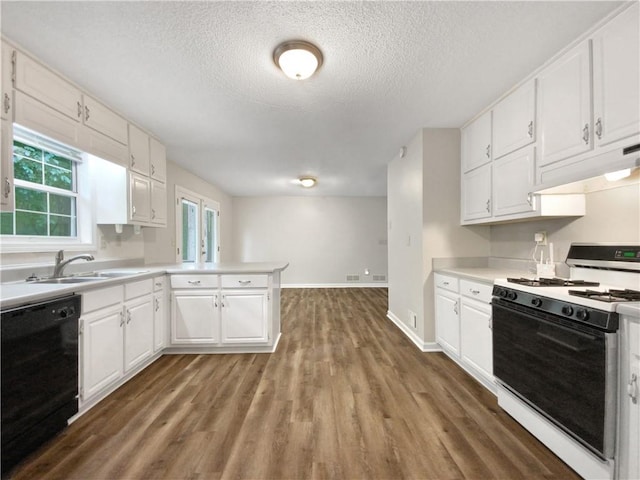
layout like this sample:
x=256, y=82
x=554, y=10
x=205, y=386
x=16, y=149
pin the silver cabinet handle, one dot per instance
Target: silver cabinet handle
x=128, y=316
x=215, y=301
x=530, y=131
x=133, y=160
x=445, y=283
x=153, y=169
x=158, y=284
x=222, y=302
x=133, y=209
x=121, y=319
x=530, y=199
x=585, y=133
x=455, y=307
x=7, y=103
x=489, y=151
x=632, y=388
x=475, y=292
x=599, y=128
x=153, y=213
x=7, y=187
x=86, y=113
x=193, y=282
x=244, y=282
x=489, y=205
x=79, y=109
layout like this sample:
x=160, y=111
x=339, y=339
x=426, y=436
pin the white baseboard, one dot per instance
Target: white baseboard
x=336, y=285
x=413, y=336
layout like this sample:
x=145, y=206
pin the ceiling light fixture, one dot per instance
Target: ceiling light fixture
x=297, y=59
x=618, y=175
x=307, y=182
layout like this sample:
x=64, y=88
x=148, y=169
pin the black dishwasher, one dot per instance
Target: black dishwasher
x=39, y=374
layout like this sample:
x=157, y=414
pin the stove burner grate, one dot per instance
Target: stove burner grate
x=552, y=282
x=609, y=296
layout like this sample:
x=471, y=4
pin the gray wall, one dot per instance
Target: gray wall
x=322, y=238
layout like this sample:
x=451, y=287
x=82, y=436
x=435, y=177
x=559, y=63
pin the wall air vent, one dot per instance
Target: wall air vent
x=353, y=278
x=379, y=278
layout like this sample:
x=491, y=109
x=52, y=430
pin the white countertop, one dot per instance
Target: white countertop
x=13, y=294
x=484, y=274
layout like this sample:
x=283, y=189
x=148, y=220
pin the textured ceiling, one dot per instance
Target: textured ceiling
x=200, y=76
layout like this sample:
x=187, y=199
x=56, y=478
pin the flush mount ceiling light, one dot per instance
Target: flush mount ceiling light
x=618, y=175
x=297, y=59
x=307, y=182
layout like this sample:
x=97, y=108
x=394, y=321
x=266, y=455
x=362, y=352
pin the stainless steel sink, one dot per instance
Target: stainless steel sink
x=69, y=280
x=112, y=274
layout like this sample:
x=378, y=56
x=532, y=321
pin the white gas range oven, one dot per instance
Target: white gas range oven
x=556, y=353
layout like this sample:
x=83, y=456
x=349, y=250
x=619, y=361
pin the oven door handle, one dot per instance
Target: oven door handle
x=559, y=342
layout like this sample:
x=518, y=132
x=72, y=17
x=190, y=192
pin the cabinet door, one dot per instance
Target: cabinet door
x=629, y=394
x=138, y=333
x=6, y=166
x=103, y=120
x=476, y=343
x=138, y=150
x=513, y=177
x=159, y=321
x=102, y=338
x=43, y=119
x=476, y=143
x=448, y=320
x=40, y=83
x=158, y=156
x=158, y=203
x=140, y=198
x=244, y=317
x=514, y=120
x=6, y=94
x=476, y=193
x=564, y=91
x=195, y=317
x=616, y=78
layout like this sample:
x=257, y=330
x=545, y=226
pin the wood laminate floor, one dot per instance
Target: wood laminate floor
x=345, y=396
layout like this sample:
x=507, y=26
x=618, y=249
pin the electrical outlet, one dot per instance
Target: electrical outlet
x=540, y=238
x=413, y=319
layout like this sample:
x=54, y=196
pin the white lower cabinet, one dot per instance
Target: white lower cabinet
x=629, y=397
x=463, y=325
x=195, y=317
x=102, y=348
x=117, y=330
x=244, y=317
x=159, y=316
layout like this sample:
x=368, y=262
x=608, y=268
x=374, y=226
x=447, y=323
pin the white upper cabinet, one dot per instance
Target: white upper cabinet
x=39, y=82
x=158, y=160
x=616, y=78
x=476, y=143
x=104, y=120
x=140, y=198
x=476, y=194
x=158, y=203
x=564, y=103
x=514, y=120
x=513, y=177
x=138, y=150
x=7, y=84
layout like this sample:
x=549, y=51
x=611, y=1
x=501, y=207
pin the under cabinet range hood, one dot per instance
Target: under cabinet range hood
x=592, y=171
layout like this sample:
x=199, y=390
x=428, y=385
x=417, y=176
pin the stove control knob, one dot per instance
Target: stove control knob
x=582, y=314
x=567, y=310
x=536, y=302
x=502, y=293
x=511, y=295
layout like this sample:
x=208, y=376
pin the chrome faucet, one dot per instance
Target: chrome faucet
x=61, y=262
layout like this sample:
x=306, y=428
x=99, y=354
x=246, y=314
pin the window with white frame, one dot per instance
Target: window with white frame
x=51, y=208
x=197, y=227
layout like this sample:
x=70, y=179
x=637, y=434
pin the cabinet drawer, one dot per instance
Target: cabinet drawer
x=101, y=298
x=245, y=281
x=479, y=291
x=137, y=289
x=447, y=282
x=194, y=281
x=158, y=283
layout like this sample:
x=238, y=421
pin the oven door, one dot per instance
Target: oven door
x=566, y=371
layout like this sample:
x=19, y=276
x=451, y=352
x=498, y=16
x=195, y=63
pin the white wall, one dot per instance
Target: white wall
x=612, y=216
x=423, y=190
x=322, y=238
x=160, y=243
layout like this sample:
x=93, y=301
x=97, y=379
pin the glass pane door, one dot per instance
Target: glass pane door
x=190, y=232
x=210, y=234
